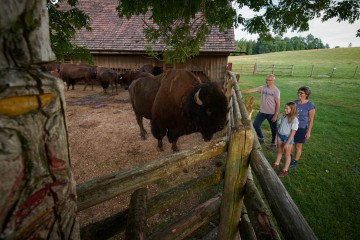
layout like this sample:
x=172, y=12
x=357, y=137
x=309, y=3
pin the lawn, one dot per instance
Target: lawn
x=325, y=185
x=337, y=62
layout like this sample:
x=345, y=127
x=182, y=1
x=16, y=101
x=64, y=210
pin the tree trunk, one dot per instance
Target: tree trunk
x=37, y=188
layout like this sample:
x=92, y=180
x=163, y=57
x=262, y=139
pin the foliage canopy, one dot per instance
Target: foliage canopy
x=174, y=19
x=182, y=25
x=63, y=25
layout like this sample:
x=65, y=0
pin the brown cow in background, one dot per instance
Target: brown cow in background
x=127, y=77
x=72, y=73
x=154, y=70
x=106, y=77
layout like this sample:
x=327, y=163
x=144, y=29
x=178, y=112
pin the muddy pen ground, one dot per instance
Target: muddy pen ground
x=104, y=138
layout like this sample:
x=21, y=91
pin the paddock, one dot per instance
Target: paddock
x=167, y=184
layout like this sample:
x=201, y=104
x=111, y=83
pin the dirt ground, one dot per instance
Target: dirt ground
x=104, y=138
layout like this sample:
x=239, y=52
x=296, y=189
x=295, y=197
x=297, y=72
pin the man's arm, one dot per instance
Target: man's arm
x=249, y=90
x=277, y=106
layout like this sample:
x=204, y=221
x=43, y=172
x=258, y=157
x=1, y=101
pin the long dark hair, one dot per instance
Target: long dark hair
x=293, y=112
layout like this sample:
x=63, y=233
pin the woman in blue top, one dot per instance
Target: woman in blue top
x=306, y=113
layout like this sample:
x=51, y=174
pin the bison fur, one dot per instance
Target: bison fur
x=142, y=93
x=183, y=105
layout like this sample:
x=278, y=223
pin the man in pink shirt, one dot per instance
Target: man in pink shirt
x=269, y=107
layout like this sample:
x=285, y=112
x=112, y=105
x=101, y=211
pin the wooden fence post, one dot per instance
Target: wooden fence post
x=355, y=71
x=292, y=70
x=289, y=218
x=37, y=185
x=333, y=71
x=236, y=173
x=273, y=67
x=312, y=71
x=136, y=224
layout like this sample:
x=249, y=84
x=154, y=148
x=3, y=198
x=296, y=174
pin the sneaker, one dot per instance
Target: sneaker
x=275, y=166
x=283, y=173
x=261, y=140
x=293, y=164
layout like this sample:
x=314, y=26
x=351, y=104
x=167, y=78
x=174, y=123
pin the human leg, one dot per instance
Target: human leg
x=279, y=153
x=273, y=127
x=299, y=140
x=287, y=151
x=298, y=151
x=259, y=119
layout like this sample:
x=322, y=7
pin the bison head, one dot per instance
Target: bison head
x=206, y=109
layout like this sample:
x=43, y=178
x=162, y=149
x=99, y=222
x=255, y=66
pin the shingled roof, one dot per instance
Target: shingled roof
x=113, y=34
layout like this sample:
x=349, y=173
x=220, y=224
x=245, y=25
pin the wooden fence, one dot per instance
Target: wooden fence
x=316, y=71
x=239, y=207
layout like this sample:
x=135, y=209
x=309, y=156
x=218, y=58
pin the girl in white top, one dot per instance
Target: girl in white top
x=288, y=126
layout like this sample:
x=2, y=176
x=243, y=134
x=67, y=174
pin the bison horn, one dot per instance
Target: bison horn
x=197, y=98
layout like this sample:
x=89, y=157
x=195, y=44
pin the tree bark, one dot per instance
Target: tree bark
x=37, y=188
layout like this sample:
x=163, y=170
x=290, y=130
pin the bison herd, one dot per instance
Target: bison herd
x=176, y=102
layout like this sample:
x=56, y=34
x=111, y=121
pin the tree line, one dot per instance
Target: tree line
x=278, y=44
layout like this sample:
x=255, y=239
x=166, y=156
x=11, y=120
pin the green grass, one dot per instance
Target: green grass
x=320, y=62
x=325, y=185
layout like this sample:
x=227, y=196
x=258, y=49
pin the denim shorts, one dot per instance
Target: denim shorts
x=284, y=138
x=300, y=135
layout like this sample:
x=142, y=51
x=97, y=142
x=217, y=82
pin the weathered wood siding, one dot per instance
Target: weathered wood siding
x=124, y=62
x=207, y=67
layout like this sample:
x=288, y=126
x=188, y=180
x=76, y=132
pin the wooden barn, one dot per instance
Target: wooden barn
x=119, y=43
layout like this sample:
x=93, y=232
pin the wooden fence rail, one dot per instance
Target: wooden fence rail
x=112, y=225
x=289, y=218
x=107, y=187
x=316, y=71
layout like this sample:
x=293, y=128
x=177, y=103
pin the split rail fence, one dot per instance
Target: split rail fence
x=316, y=71
x=239, y=207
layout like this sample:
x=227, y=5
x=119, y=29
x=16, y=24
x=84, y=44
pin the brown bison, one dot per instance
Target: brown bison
x=127, y=77
x=142, y=93
x=154, y=70
x=106, y=77
x=51, y=66
x=72, y=73
x=184, y=105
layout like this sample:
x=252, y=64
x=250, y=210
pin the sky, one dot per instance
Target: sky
x=329, y=32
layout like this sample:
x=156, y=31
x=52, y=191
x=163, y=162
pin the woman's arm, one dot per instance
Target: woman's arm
x=310, y=123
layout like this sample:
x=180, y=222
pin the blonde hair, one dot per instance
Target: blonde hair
x=293, y=111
